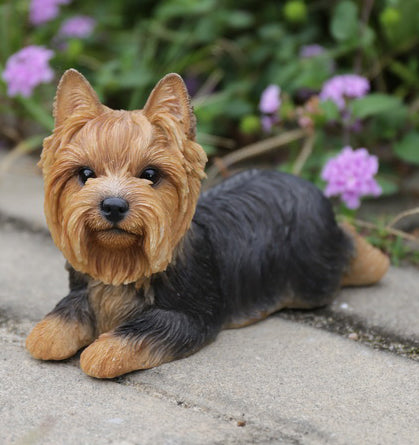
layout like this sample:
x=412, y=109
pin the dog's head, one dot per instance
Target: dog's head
x=121, y=186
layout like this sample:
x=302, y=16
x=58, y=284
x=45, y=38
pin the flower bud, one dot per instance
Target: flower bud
x=295, y=11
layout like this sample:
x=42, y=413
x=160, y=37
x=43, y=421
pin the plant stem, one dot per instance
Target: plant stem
x=20, y=149
x=365, y=15
x=390, y=230
x=402, y=215
x=303, y=155
x=256, y=149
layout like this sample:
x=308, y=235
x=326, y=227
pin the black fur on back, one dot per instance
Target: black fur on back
x=260, y=240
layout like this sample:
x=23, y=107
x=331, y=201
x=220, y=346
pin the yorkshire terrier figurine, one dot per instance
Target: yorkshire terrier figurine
x=157, y=271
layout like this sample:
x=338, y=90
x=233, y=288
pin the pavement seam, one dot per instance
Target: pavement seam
x=356, y=329
x=23, y=225
x=259, y=433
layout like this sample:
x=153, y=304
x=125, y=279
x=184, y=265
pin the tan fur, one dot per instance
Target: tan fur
x=113, y=304
x=368, y=265
x=110, y=356
x=56, y=339
x=117, y=146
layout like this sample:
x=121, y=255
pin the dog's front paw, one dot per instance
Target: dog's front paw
x=54, y=338
x=111, y=356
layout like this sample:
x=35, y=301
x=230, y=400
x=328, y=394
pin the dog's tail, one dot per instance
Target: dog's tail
x=368, y=264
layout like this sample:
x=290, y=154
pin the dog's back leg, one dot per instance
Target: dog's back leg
x=368, y=264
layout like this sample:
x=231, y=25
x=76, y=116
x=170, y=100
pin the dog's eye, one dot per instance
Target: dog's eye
x=86, y=173
x=151, y=174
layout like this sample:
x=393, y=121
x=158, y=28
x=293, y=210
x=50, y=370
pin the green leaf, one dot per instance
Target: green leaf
x=388, y=185
x=74, y=48
x=239, y=19
x=344, y=24
x=312, y=72
x=388, y=125
x=374, y=104
x=330, y=110
x=237, y=108
x=408, y=148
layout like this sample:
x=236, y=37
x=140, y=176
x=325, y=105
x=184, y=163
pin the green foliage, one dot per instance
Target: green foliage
x=388, y=184
x=395, y=247
x=330, y=111
x=295, y=11
x=229, y=52
x=250, y=124
x=374, y=104
x=344, y=24
x=408, y=148
x=390, y=17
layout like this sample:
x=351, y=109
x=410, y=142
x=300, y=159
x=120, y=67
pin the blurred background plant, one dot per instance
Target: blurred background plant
x=284, y=84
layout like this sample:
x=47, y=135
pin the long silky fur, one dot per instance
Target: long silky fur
x=73, y=211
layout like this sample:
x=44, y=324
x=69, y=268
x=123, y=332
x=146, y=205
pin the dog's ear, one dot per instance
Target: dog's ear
x=75, y=95
x=170, y=97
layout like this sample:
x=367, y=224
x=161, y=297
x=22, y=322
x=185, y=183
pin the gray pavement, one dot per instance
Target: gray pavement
x=296, y=378
x=21, y=193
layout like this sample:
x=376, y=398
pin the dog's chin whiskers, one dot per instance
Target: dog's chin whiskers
x=115, y=237
x=118, y=231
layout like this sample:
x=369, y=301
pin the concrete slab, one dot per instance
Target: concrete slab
x=32, y=275
x=393, y=304
x=315, y=387
x=273, y=382
x=53, y=403
x=21, y=191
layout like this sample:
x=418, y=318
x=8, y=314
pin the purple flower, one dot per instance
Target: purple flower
x=338, y=88
x=42, y=11
x=313, y=50
x=268, y=121
x=270, y=100
x=26, y=69
x=351, y=175
x=80, y=26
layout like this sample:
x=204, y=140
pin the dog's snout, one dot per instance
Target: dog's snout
x=114, y=209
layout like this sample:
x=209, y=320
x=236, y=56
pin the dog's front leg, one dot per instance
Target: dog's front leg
x=67, y=328
x=156, y=337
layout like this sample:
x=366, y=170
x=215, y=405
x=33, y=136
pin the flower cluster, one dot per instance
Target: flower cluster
x=351, y=175
x=26, y=69
x=308, y=51
x=42, y=11
x=29, y=67
x=339, y=88
x=269, y=104
x=80, y=26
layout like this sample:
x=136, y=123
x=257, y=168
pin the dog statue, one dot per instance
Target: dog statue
x=157, y=271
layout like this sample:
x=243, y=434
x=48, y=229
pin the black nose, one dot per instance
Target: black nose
x=114, y=209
